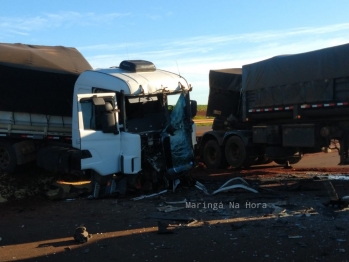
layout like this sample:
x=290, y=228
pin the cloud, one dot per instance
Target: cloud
x=22, y=25
x=223, y=47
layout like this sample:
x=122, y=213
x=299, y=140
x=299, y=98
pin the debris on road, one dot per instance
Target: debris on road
x=67, y=190
x=167, y=209
x=335, y=200
x=225, y=186
x=294, y=237
x=176, y=202
x=147, y=196
x=331, y=177
x=2, y=200
x=176, y=182
x=163, y=228
x=81, y=235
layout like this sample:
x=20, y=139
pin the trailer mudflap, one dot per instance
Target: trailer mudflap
x=301, y=135
x=266, y=135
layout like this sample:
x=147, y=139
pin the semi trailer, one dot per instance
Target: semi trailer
x=278, y=109
x=114, y=124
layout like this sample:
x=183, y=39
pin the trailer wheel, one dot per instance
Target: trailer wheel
x=235, y=152
x=212, y=155
x=8, y=160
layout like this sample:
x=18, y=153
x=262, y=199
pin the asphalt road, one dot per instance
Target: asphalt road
x=202, y=129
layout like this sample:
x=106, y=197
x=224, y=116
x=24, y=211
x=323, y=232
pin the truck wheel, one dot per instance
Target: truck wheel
x=212, y=155
x=8, y=160
x=235, y=152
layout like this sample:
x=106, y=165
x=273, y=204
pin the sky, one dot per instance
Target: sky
x=186, y=37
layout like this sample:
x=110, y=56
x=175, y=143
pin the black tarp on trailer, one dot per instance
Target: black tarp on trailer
x=293, y=79
x=39, y=79
x=224, y=96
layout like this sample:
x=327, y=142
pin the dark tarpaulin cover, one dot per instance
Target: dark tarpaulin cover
x=300, y=78
x=39, y=79
x=181, y=144
x=225, y=87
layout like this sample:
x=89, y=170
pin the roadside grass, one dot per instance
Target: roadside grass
x=201, y=112
x=201, y=115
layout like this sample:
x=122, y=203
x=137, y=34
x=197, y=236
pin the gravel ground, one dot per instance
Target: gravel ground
x=285, y=221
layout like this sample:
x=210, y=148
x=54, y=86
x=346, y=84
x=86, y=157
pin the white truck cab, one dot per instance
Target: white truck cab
x=122, y=121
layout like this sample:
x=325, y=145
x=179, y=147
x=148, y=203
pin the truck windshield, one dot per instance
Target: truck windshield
x=138, y=107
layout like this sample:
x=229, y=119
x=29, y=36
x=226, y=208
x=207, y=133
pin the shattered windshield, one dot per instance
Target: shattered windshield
x=180, y=138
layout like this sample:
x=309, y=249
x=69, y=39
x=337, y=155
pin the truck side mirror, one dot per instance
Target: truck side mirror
x=193, y=108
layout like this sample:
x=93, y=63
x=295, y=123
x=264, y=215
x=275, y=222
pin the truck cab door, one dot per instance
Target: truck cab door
x=99, y=132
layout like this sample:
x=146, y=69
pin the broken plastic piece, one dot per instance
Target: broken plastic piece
x=147, y=196
x=224, y=187
x=331, y=177
x=201, y=187
x=167, y=209
x=176, y=202
x=176, y=182
x=235, y=186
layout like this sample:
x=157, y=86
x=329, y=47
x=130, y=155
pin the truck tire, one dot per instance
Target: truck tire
x=235, y=152
x=8, y=159
x=212, y=155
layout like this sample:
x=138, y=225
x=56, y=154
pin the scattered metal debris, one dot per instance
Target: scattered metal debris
x=176, y=202
x=225, y=186
x=335, y=200
x=294, y=237
x=277, y=210
x=147, y=196
x=341, y=240
x=176, y=182
x=331, y=177
x=167, y=209
x=201, y=187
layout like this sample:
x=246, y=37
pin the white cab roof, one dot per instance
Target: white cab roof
x=132, y=83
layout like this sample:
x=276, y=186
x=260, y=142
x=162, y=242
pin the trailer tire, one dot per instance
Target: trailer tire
x=235, y=152
x=212, y=155
x=8, y=159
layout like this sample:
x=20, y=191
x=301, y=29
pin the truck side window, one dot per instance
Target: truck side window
x=92, y=114
x=88, y=115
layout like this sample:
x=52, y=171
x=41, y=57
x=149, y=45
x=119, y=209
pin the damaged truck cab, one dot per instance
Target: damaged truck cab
x=127, y=132
x=114, y=124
